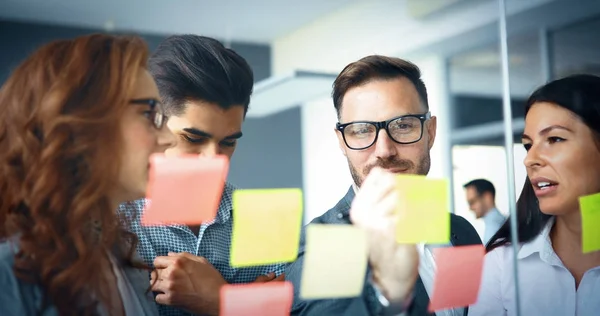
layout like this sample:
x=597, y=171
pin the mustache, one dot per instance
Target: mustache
x=390, y=164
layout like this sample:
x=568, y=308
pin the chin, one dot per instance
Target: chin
x=554, y=208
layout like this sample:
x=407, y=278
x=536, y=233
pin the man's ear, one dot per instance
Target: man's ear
x=341, y=142
x=489, y=198
x=431, y=129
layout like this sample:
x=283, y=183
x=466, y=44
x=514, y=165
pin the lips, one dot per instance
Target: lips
x=543, y=186
x=397, y=170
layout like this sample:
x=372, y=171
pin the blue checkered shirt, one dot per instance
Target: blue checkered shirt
x=213, y=243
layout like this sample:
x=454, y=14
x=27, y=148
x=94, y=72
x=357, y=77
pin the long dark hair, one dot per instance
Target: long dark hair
x=579, y=94
x=58, y=131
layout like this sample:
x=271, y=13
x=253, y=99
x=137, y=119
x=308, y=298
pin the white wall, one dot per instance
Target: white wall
x=326, y=176
x=488, y=162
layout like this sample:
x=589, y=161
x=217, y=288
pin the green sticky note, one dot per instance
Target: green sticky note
x=335, y=262
x=590, y=221
x=424, y=210
x=266, y=226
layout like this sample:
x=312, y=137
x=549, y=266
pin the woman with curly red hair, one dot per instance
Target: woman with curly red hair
x=79, y=120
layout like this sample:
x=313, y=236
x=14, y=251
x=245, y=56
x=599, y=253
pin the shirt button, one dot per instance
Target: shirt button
x=340, y=215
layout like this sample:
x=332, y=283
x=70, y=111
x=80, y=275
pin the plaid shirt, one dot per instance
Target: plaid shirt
x=213, y=242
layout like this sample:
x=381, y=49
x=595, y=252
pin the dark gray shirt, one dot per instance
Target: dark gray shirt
x=18, y=298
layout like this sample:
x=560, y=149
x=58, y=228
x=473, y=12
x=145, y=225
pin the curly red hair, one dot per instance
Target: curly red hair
x=59, y=136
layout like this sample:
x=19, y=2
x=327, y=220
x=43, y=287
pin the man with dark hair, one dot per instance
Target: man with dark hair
x=206, y=90
x=481, y=196
x=383, y=121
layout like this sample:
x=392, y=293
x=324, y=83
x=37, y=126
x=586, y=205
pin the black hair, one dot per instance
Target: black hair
x=580, y=94
x=192, y=67
x=481, y=186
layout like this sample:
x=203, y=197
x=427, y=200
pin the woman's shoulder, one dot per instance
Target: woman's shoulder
x=17, y=297
x=8, y=249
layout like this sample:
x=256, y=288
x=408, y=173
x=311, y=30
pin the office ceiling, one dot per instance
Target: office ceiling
x=256, y=21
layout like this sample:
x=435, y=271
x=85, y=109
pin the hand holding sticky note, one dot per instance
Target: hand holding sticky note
x=590, y=221
x=265, y=299
x=266, y=226
x=184, y=190
x=423, y=208
x=458, y=276
x=335, y=262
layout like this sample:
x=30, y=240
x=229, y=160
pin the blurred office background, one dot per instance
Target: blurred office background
x=297, y=47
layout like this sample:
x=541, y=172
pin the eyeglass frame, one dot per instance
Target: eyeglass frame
x=385, y=125
x=155, y=105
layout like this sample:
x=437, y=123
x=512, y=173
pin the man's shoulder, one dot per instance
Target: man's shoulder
x=463, y=233
x=227, y=196
x=8, y=249
x=337, y=214
x=330, y=217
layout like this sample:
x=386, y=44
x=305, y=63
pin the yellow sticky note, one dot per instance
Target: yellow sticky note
x=423, y=206
x=335, y=262
x=590, y=221
x=266, y=226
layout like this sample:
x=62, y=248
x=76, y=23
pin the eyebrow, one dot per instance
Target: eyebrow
x=201, y=133
x=547, y=130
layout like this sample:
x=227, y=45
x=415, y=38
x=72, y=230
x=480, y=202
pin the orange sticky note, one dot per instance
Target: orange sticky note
x=265, y=299
x=266, y=226
x=424, y=208
x=590, y=220
x=184, y=190
x=458, y=276
x=335, y=262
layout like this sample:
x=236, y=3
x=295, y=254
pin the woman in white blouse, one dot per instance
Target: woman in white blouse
x=562, y=139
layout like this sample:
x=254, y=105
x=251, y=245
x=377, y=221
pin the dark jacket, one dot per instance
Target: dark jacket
x=19, y=298
x=462, y=233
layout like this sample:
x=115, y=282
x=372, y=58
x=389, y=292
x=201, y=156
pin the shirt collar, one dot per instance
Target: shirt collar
x=491, y=212
x=541, y=244
x=226, y=205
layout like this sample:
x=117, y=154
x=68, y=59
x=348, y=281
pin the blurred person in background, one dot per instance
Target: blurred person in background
x=481, y=196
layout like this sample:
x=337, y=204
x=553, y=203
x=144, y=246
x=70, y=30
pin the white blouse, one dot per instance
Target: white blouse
x=546, y=286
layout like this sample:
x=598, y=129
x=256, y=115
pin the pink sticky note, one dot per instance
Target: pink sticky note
x=184, y=190
x=458, y=276
x=265, y=299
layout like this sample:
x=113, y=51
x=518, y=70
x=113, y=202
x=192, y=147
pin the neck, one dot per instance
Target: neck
x=567, y=230
x=115, y=205
x=566, y=237
x=488, y=211
x=567, y=241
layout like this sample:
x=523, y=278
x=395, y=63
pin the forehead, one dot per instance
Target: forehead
x=543, y=114
x=209, y=117
x=379, y=100
x=471, y=192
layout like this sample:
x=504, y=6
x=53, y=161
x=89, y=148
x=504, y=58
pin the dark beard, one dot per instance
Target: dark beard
x=422, y=168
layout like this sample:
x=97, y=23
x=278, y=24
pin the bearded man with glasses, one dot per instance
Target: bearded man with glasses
x=383, y=121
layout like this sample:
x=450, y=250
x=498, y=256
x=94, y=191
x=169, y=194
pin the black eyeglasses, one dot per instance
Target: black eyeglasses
x=157, y=117
x=406, y=129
